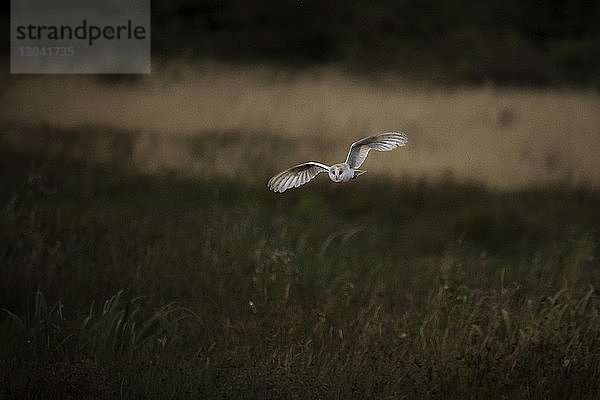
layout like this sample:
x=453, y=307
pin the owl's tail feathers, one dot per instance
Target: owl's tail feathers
x=358, y=172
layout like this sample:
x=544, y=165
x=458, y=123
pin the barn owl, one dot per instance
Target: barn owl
x=338, y=173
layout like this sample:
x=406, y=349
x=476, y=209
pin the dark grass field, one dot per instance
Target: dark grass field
x=117, y=284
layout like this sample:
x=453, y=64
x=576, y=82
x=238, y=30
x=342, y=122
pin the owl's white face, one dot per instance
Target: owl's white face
x=339, y=173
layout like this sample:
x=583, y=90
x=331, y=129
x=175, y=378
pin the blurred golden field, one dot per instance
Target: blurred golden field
x=251, y=121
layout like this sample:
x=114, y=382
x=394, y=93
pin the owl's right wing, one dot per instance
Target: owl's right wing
x=382, y=142
x=296, y=176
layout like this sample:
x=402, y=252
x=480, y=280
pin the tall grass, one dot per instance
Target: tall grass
x=121, y=284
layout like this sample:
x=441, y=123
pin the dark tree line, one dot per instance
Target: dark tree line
x=553, y=42
x=505, y=41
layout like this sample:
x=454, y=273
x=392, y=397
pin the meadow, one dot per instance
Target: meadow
x=121, y=283
x=237, y=114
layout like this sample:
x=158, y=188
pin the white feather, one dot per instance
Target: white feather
x=296, y=176
x=382, y=142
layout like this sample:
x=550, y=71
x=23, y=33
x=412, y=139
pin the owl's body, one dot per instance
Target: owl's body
x=338, y=173
x=341, y=173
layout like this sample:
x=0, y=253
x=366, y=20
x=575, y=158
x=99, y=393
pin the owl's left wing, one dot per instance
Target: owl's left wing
x=382, y=142
x=296, y=176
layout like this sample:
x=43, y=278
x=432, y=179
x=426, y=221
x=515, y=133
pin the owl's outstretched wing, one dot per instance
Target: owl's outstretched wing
x=382, y=142
x=296, y=176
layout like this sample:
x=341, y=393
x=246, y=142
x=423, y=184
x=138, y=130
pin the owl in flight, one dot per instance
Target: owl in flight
x=339, y=173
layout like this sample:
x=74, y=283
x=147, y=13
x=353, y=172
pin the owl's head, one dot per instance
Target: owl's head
x=336, y=173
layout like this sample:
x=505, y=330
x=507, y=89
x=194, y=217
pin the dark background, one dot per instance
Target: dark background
x=512, y=42
x=466, y=41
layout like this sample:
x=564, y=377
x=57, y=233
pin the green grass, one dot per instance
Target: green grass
x=116, y=284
